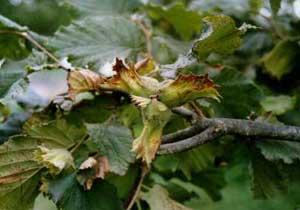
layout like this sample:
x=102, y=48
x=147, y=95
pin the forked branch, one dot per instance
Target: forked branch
x=206, y=130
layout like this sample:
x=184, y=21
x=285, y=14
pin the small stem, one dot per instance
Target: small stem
x=79, y=143
x=148, y=35
x=28, y=37
x=145, y=171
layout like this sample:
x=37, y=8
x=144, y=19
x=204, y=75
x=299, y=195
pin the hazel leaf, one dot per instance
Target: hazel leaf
x=187, y=88
x=155, y=117
x=54, y=159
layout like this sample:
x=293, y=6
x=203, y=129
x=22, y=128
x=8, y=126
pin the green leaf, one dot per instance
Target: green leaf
x=69, y=195
x=18, y=174
x=43, y=203
x=267, y=178
x=11, y=45
x=104, y=7
x=10, y=72
x=185, y=22
x=158, y=199
x=280, y=150
x=19, y=170
x=281, y=59
x=237, y=194
x=278, y=104
x=6, y=23
x=96, y=41
x=221, y=36
x=240, y=95
x=188, y=162
x=94, y=111
x=275, y=6
x=114, y=142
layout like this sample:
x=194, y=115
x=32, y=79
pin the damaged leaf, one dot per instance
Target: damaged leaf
x=187, y=88
x=82, y=81
x=155, y=117
x=54, y=159
x=99, y=166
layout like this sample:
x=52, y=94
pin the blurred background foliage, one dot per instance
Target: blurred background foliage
x=259, y=80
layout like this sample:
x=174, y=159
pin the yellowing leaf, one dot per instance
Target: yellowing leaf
x=158, y=199
x=145, y=66
x=54, y=159
x=83, y=81
x=129, y=81
x=155, y=117
x=187, y=88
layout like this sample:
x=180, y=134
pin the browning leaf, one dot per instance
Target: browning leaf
x=155, y=117
x=100, y=167
x=145, y=66
x=82, y=81
x=129, y=81
x=187, y=88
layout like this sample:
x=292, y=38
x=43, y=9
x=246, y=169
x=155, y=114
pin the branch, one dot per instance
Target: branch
x=213, y=128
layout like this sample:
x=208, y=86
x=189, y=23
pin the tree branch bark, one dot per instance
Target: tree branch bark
x=206, y=130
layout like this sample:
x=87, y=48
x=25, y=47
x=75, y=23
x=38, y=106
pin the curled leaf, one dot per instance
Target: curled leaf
x=82, y=81
x=129, y=81
x=145, y=66
x=187, y=88
x=54, y=159
x=155, y=117
x=100, y=167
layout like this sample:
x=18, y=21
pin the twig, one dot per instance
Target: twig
x=148, y=35
x=145, y=171
x=222, y=126
x=207, y=135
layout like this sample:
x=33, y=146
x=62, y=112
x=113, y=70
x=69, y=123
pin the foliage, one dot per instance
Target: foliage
x=88, y=90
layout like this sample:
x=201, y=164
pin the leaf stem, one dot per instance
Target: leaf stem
x=145, y=171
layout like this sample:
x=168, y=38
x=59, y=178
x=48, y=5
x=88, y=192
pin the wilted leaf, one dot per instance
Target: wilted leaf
x=221, y=37
x=185, y=22
x=281, y=59
x=187, y=88
x=100, y=167
x=158, y=199
x=129, y=81
x=54, y=159
x=155, y=116
x=114, y=142
x=82, y=81
x=69, y=195
x=278, y=104
x=96, y=41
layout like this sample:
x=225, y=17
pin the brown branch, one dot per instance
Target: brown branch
x=193, y=136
